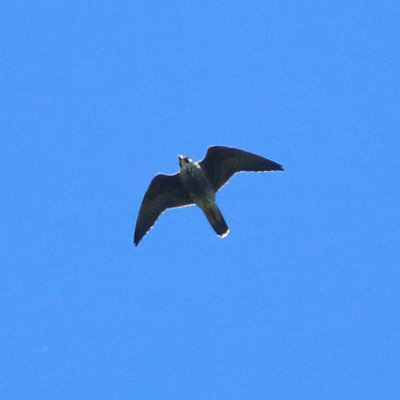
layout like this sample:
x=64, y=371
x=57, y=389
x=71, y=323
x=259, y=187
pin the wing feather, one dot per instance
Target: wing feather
x=165, y=191
x=221, y=163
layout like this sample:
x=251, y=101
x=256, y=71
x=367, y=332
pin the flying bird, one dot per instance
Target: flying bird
x=197, y=183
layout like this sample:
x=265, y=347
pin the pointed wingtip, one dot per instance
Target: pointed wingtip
x=278, y=167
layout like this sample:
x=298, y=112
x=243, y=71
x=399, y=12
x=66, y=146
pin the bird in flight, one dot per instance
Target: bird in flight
x=197, y=183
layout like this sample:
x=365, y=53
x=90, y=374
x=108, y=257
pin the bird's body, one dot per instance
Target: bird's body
x=197, y=183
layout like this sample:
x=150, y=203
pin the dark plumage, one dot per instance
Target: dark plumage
x=197, y=183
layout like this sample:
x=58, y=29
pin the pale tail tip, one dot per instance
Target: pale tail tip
x=225, y=234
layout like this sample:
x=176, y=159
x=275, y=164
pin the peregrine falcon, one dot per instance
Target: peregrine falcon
x=197, y=183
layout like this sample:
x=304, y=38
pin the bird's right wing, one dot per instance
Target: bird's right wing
x=165, y=191
x=221, y=163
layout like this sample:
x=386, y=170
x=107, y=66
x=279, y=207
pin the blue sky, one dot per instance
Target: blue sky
x=300, y=301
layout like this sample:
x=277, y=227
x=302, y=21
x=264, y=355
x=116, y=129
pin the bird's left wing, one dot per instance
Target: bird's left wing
x=221, y=163
x=165, y=191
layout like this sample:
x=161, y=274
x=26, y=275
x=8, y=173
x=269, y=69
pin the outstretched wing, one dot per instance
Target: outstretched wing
x=165, y=191
x=221, y=163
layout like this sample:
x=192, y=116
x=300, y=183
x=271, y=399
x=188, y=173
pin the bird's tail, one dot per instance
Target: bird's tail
x=216, y=220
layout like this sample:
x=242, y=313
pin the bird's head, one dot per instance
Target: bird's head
x=184, y=160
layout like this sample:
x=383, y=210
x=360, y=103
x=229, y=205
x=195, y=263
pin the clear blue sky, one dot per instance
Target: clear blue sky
x=300, y=301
